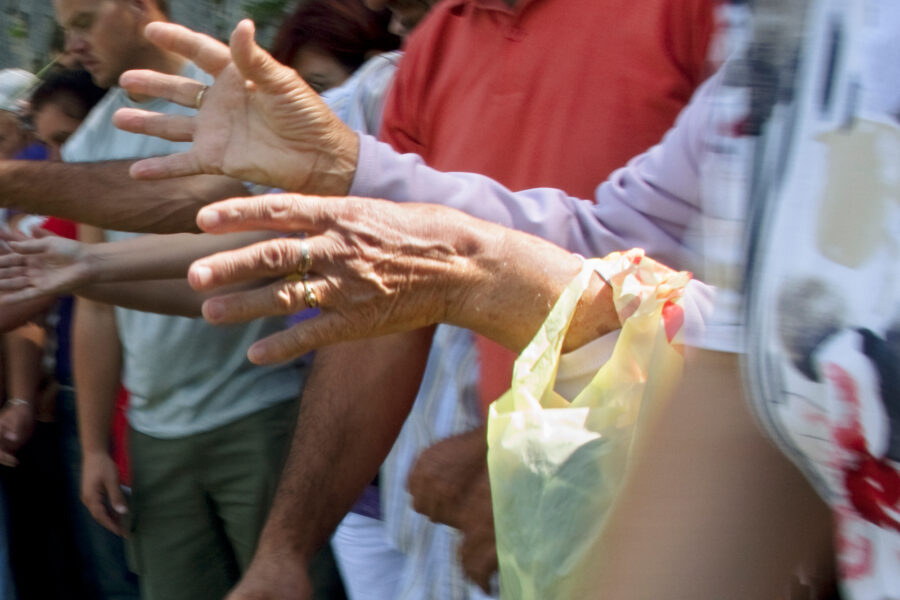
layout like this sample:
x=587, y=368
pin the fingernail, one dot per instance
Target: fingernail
x=255, y=354
x=207, y=219
x=11, y=436
x=201, y=274
x=213, y=310
x=121, y=509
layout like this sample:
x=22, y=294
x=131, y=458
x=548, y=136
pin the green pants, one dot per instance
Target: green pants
x=199, y=503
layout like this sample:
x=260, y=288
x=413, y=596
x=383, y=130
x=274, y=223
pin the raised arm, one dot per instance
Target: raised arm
x=260, y=122
x=105, y=195
x=52, y=265
x=377, y=267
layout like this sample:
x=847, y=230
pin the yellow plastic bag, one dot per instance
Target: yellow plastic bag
x=556, y=466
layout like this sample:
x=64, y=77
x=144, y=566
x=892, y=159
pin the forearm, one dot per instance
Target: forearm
x=345, y=429
x=511, y=282
x=649, y=203
x=150, y=257
x=105, y=195
x=167, y=297
x=16, y=315
x=97, y=365
x=24, y=351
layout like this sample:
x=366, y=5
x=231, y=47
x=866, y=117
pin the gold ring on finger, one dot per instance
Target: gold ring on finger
x=309, y=296
x=305, y=259
x=198, y=101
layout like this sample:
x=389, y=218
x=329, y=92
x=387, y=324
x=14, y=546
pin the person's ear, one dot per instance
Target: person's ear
x=143, y=10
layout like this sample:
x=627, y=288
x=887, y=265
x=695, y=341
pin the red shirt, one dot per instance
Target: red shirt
x=551, y=93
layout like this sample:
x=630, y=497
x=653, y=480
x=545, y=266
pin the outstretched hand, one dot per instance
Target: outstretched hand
x=375, y=267
x=41, y=267
x=258, y=122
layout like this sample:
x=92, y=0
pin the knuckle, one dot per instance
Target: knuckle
x=274, y=255
x=286, y=296
x=278, y=207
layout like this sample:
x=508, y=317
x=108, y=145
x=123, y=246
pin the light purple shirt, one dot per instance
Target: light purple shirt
x=649, y=203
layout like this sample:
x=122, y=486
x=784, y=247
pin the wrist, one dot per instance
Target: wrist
x=519, y=278
x=90, y=257
x=476, y=248
x=94, y=452
x=337, y=178
x=16, y=401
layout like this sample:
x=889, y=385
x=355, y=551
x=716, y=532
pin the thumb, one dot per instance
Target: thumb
x=114, y=493
x=29, y=246
x=256, y=64
x=40, y=232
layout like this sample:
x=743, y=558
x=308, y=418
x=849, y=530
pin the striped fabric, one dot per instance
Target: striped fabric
x=447, y=405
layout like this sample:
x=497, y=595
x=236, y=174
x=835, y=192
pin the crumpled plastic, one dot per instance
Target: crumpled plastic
x=555, y=466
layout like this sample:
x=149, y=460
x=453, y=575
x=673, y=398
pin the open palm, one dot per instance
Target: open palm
x=258, y=122
x=48, y=266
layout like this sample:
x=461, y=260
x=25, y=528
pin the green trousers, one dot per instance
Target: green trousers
x=200, y=502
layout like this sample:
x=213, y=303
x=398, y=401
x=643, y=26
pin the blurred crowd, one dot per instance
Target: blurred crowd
x=258, y=305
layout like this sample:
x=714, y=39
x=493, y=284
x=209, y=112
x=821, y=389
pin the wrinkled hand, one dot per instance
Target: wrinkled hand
x=274, y=577
x=259, y=121
x=377, y=267
x=48, y=266
x=449, y=484
x=16, y=427
x=101, y=493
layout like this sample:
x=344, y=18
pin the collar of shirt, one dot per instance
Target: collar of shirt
x=497, y=5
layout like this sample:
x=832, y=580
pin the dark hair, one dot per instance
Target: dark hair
x=72, y=88
x=345, y=29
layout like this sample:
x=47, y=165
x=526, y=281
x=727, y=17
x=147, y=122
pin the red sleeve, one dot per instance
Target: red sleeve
x=61, y=227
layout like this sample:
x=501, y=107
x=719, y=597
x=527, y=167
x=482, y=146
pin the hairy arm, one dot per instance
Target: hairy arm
x=105, y=195
x=346, y=426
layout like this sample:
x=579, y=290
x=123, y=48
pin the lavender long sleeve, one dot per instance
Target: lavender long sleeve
x=649, y=203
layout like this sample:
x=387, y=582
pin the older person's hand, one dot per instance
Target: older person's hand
x=376, y=267
x=258, y=122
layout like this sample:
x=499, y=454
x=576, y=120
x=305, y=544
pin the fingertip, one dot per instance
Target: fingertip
x=257, y=354
x=213, y=310
x=199, y=276
x=208, y=219
x=137, y=171
x=249, y=26
x=145, y=169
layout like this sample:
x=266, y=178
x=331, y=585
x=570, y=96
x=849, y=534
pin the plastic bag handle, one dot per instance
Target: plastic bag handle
x=535, y=369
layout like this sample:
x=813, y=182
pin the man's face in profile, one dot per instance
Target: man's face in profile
x=105, y=36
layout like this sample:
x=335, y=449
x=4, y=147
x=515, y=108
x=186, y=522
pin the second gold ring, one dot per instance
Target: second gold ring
x=309, y=296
